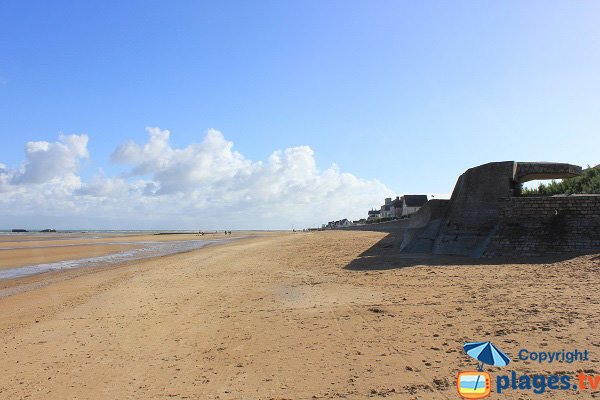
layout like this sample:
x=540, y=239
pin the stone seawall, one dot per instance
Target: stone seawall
x=542, y=225
x=395, y=227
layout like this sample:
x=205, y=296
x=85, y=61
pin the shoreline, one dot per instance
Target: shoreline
x=19, y=278
x=122, y=253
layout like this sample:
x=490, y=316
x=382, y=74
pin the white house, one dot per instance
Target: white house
x=374, y=214
x=399, y=207
x=338, y=224
x=411, y=203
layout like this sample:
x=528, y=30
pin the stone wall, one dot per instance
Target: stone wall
x=546, y=225
x=396, y=227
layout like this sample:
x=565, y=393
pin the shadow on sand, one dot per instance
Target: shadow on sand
x=385, y=254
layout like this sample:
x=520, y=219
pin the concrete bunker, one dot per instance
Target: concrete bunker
x=484, y=216
x=529, y=171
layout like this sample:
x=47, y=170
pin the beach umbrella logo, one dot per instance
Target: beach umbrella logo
x=477, y=384
x=486, y=353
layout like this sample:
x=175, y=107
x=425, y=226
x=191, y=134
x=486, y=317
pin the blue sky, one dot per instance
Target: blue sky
x=407, y=93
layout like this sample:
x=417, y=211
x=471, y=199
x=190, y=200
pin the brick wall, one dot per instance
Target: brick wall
x=543, y=225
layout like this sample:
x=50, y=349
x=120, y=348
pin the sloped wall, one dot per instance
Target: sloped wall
x=424, y=226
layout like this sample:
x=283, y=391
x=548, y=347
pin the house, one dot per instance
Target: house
x=386, y=209
x=397, y=207
x=343, y=223
x=373, y=214
x=338, y=224
x=411, y=203
x=400, y=207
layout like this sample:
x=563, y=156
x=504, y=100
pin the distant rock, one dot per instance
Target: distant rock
x=20, y=230
x=48, y=230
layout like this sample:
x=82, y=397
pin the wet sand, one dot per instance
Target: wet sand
x=11, y=258
x=291, y=316
x=50, y=251
x=69, y=239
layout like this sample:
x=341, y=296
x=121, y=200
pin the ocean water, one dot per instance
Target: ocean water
x=147, y=250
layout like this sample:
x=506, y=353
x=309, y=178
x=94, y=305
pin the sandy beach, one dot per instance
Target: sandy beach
x=291, y=316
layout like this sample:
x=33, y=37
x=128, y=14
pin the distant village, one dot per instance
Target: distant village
x=399, y=208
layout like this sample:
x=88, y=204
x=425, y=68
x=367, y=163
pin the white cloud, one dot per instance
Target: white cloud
x=100, y=186
x=5, y=178
x=182, y=170
x=46, y=161
x=203, y=185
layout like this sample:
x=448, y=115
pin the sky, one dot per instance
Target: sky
x=273, y=114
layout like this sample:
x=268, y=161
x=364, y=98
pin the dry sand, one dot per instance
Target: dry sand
x=290, y=316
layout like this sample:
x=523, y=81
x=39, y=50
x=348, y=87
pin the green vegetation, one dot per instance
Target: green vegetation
x=588, y=182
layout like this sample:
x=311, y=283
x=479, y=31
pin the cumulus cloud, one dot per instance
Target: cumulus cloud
x=203, y=185
x=182, y=170
x=101, y=186
x=46, y=161
x=5, y=177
